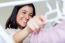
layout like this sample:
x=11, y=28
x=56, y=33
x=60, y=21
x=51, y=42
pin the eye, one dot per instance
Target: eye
x=24, y=12
x=31, y=15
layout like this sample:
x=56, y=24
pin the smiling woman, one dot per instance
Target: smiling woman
x=24, y=14
x=23, y=21
x=19, y=12
x=19, y=18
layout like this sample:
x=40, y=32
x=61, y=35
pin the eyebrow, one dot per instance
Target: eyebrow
x=27, y=11
x=24, y=10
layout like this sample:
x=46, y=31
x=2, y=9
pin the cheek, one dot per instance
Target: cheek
x=19, y=16
x=19, y=20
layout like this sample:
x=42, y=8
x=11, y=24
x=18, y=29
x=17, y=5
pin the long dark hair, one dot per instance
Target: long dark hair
x=11, y=22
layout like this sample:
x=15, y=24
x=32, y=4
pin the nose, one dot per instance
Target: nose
x=27, y=17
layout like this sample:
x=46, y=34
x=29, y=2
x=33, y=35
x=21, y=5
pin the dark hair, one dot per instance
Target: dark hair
x=11, y=22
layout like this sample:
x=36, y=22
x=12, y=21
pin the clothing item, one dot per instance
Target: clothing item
x=11, y=32
x=4, y=37
x=55, y=34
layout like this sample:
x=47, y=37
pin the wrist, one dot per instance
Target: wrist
x=28, y=29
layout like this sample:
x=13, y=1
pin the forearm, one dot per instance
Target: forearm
x=21, y=35
x=33, y=25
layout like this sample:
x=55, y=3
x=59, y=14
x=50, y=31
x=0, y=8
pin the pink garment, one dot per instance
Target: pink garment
x=53, y=35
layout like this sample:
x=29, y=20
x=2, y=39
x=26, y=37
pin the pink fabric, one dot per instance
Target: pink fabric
x=53, y=35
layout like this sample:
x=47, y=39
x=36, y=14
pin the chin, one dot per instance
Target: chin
x=23, y=25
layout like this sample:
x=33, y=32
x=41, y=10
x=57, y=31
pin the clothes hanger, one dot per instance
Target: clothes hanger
x=60, y=15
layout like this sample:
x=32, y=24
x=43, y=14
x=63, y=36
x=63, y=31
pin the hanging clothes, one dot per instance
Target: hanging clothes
x=55, y=34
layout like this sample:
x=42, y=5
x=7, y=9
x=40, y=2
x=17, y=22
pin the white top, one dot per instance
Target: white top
x=4, y=37
x=11, y=32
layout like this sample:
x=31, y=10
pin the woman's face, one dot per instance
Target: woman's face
x=23, y=15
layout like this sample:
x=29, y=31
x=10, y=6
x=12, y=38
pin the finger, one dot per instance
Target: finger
x=42, y=18
x=32, y=25
x=39, y=22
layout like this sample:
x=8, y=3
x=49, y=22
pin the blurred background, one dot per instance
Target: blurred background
x=41, y=9
x=2, y=1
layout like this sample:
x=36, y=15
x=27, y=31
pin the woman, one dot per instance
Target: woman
x=23, y=20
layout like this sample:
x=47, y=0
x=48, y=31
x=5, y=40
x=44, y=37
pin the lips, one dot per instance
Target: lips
x=25, y=22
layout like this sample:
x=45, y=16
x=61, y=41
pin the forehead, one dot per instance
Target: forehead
x=26, y=8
